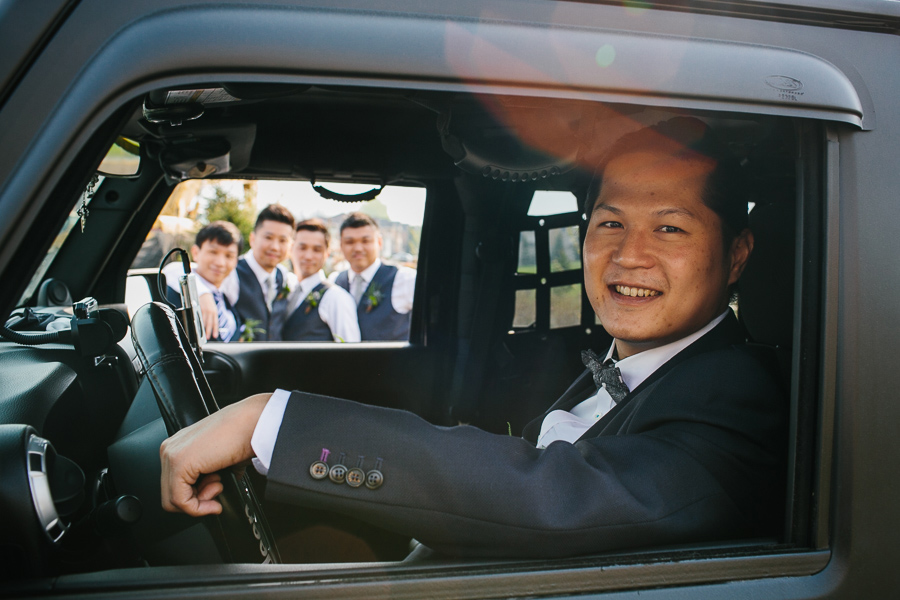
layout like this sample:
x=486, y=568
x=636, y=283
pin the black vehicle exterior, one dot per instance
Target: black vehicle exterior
x=73, y=74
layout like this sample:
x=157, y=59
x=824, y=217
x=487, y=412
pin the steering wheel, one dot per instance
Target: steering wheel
x=241, y=532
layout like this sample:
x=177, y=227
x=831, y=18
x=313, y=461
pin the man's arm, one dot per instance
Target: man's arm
x=208, y=313
x=338, y=311
x=694, y=458
x=404, y=290
x=191, y=458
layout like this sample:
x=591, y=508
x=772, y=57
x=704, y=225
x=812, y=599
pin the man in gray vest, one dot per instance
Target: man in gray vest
x=383, y=293
x=319, y=311
x=264, y=285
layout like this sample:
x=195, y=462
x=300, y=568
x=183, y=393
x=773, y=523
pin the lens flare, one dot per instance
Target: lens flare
x=606, y=54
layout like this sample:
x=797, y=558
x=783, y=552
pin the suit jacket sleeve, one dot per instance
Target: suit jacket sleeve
x=688, y=459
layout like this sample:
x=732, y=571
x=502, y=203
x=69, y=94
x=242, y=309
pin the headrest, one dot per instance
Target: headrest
x=766, y=301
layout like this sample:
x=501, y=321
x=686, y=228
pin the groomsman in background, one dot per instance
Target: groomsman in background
x=318, y=309
x=383, y=293
x=263, y=284
x=215, y=255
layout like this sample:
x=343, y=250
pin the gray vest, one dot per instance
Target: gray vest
x=377, y=318
x=251, y=303
x=305, y=324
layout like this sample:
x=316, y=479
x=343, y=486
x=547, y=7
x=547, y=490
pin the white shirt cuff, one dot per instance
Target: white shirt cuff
x=266, y=432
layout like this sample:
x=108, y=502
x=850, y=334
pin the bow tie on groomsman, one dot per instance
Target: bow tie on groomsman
x=606, y=375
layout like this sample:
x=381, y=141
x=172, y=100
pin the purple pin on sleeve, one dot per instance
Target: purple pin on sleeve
x=324, y=456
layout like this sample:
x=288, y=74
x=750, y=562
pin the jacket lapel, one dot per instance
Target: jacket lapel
x=724, y=334
x=582, y=388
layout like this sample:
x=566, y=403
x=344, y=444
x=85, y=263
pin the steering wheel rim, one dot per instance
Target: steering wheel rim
x=241, y=532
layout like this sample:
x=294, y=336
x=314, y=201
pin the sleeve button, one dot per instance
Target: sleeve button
x=355, y=477
x=338, y=473
x=374, y=479
x=318, y=470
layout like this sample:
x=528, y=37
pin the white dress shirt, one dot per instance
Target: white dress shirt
x=404, y=284
x=558, y=425
x=337, y=309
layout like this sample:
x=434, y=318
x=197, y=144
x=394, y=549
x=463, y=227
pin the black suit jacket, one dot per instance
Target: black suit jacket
x=695, y=453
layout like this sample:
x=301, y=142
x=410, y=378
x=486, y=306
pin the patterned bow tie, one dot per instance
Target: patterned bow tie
x=606, y=376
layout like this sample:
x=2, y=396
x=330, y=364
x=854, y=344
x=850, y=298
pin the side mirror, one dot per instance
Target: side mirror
x=122, y=160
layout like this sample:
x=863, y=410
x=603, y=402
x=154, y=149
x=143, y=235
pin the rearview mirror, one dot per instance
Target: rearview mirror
x=122, y=160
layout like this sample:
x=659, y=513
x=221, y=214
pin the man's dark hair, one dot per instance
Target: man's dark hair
x=315, y=225
x=274, y=212
x=358, y=219
x=726, y=187
x=221, y=232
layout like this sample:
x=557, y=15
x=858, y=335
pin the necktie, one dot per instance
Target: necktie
x=227, y=322
x=357, y=287
x=606, y=375
x=270, y=291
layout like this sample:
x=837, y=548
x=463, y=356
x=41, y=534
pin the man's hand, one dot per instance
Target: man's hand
x=191, y=457
x=210, y=316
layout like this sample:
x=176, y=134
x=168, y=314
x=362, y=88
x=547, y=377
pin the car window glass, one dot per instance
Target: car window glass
x=548, y=272
x=397, y=210
x=527, y=257
x=565, y=306
x=546, y=202
x=69, y=224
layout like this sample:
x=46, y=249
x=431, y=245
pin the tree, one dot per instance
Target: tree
x=225, y=207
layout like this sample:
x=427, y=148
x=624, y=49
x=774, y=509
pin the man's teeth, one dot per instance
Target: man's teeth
x=635, y=292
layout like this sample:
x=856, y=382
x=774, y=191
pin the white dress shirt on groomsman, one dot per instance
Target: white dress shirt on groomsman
x=318, y=310
x=383, y=293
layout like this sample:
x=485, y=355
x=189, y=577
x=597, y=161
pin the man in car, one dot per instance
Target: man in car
x=263, y=284
x=676, y=433
x=383, y=293
x=318, y=310
x=215, y=255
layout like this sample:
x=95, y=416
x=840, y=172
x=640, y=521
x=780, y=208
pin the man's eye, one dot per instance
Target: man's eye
x=611, y=224
x=670, y=229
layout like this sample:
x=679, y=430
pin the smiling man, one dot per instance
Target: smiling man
x=318, y=310
x=383, y=293
x=263, y=284
x=215, y=255
x=677, y=435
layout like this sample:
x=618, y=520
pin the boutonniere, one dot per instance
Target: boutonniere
x=312, y=300
x=283, y=293
x=373, y=297
x=249, y=330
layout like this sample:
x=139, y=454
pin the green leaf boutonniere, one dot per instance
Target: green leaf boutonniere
x=250, y=330
x=312, y=300
x=283, y=293
x=373, y=297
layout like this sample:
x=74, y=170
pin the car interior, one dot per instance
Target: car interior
x=494, y=336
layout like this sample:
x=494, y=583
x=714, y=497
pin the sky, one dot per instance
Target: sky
x=404, y=204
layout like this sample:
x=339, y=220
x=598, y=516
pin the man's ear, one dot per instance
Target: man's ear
x=195, y=250
x=741, y=247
